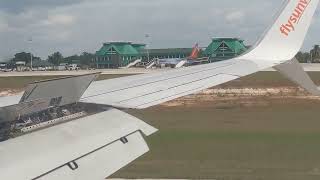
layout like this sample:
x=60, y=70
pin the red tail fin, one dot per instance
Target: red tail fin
x=195, y=52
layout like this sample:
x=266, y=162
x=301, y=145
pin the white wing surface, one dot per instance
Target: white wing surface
x=97, y=145
x=143, y=91
x=88, y=148
x=280, y=44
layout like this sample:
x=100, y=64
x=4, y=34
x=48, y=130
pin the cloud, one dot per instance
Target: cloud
x=60, y=19
x=3, y=24
x=18, y=6
x=235, y=16
x=73, y=26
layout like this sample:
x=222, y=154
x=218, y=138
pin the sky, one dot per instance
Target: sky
x=74, y=26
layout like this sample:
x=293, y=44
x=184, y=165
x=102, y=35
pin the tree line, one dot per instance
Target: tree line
x=309, y=57
x=84, y=59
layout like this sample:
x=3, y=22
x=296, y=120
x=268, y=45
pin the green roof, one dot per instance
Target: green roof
x=122, y=48
x=234, y=45
x=139, y=47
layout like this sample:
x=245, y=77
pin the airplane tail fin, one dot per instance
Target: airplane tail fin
x=195, y=52
x=285, y=37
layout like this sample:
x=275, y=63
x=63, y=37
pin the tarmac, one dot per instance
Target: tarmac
x=307, y=67
x=81, y=72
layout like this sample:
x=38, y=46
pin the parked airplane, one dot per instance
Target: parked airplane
x=172, y=62
x=73, y=128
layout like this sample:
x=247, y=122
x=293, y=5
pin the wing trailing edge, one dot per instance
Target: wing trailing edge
x=91, y=147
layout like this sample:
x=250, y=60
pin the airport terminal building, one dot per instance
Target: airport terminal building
x=225, y=48
x=120, y=54
x=117, y=54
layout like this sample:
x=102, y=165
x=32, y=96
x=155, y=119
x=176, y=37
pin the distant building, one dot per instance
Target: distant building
x=225, y=48
x=61, y=67
x=71, y=60
x=3, y=65
x=166, y=53
x=119, y=54
x=40, y=65
x=21, y=66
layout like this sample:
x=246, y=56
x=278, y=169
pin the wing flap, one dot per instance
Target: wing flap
x=10, y=100
x=66, y=90
x=103, y=162
x=42, y=151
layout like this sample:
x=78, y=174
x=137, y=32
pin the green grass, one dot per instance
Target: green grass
x=261, y=79
x=277, y=141
x=22, y=81
x=267, y=79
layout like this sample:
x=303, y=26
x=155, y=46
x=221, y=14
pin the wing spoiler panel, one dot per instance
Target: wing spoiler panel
x=45, y=151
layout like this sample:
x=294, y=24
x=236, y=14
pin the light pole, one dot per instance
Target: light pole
x=31, y=56
x=147, y=42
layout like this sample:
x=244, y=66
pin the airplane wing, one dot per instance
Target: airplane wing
x=280, y=44
x=91, y=147
x=147, y=90
x=96, y=146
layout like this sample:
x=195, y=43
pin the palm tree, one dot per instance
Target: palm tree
x=315, y=54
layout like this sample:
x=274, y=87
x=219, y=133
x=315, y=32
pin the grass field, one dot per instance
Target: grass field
x=22, y=81
x=267, y=79
x=276, y=139
x=261, y=79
